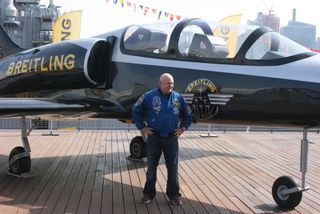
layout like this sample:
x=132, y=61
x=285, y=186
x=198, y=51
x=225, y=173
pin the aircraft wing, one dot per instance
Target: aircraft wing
x=14, y=107
x=13, y=104
x=83, y=108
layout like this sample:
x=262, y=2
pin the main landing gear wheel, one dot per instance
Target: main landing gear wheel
x=137, y=148
x=289, y=200
x=19, y=157
x=19, y=161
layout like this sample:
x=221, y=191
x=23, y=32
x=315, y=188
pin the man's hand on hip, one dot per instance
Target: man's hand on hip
x=147, y=131
x=179, y=131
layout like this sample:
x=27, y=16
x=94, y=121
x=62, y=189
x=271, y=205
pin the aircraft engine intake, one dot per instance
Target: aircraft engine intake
x=98, y=65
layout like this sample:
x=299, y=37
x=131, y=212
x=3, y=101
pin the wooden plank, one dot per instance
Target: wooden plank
x=136, y=181
x=15, y=189
x=10, y=187
x=117, y=194
x=86, y=195
x=106, y=206
x=78, y=158
x=88, y=171
x=220, y=174
x=95, y=205
x=263, y=171
x=128, y=198
x=74, y=200
x=51, y=163
x=266, y=162
x=217, y=197
x=246, y=192
x=239, y=172
x=57, y=181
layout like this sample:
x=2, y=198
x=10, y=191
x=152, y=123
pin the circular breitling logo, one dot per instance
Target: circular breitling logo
x=198, y=96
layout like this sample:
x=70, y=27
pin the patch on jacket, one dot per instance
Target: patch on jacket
x=156, y=102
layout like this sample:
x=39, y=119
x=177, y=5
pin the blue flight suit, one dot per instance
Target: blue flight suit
x=162, y=113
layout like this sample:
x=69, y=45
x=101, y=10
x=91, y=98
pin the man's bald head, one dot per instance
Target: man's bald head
x=166, y=83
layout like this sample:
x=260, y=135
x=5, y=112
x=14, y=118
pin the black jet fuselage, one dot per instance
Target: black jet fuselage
x=254, y=95
x=103, y=77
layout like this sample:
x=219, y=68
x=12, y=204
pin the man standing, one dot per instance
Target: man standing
x=162, y=109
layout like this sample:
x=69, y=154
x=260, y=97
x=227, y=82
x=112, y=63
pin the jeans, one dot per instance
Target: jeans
x=169, y=146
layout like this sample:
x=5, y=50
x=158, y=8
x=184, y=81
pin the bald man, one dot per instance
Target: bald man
x=167, y=116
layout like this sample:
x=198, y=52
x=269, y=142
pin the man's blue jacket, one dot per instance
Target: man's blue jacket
x=161, y=112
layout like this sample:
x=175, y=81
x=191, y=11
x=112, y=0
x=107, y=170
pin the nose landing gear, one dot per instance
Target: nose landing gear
x=285, y=191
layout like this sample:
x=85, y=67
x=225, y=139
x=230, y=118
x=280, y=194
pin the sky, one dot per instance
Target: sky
x=100, y=16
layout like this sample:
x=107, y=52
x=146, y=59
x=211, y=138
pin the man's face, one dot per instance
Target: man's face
x=166, y=84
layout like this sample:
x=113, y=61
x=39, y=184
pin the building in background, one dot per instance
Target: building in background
x=302, y=33
x=318, y=44
x=28, y=23
x=269, y=20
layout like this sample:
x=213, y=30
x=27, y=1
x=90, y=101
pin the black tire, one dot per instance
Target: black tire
x=21, y=165
x=287, y=201
x=138, y=148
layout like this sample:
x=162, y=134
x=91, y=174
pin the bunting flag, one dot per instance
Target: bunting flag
x=122, y=3
x=160, y=14
x=229, y=34
x=145, y=10
x=67, y=26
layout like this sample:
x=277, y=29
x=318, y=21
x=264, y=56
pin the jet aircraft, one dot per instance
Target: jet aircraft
x=228, y=74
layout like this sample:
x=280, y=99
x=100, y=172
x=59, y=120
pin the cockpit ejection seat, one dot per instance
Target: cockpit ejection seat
x=145, y=40
x=201, y=46
x=139, y=40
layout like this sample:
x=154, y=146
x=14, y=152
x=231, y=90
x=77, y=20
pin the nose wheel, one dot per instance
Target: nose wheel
x=285, y=190
x=281, y=192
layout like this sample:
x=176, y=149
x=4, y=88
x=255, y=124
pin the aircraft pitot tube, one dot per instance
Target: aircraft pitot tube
x=66, y=65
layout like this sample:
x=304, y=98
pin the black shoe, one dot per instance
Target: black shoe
x=176, y=200
x=146, y=199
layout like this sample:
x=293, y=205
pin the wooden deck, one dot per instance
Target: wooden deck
x=88, y=172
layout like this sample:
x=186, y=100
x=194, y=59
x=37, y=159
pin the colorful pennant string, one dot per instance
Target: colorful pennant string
x=146, y=10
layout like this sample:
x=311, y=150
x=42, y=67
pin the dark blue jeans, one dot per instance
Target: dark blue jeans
x=170, y=148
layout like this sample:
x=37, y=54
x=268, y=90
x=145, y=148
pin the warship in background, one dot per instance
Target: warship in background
x=28, y=23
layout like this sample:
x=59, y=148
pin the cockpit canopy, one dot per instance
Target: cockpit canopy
x=195, y=39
